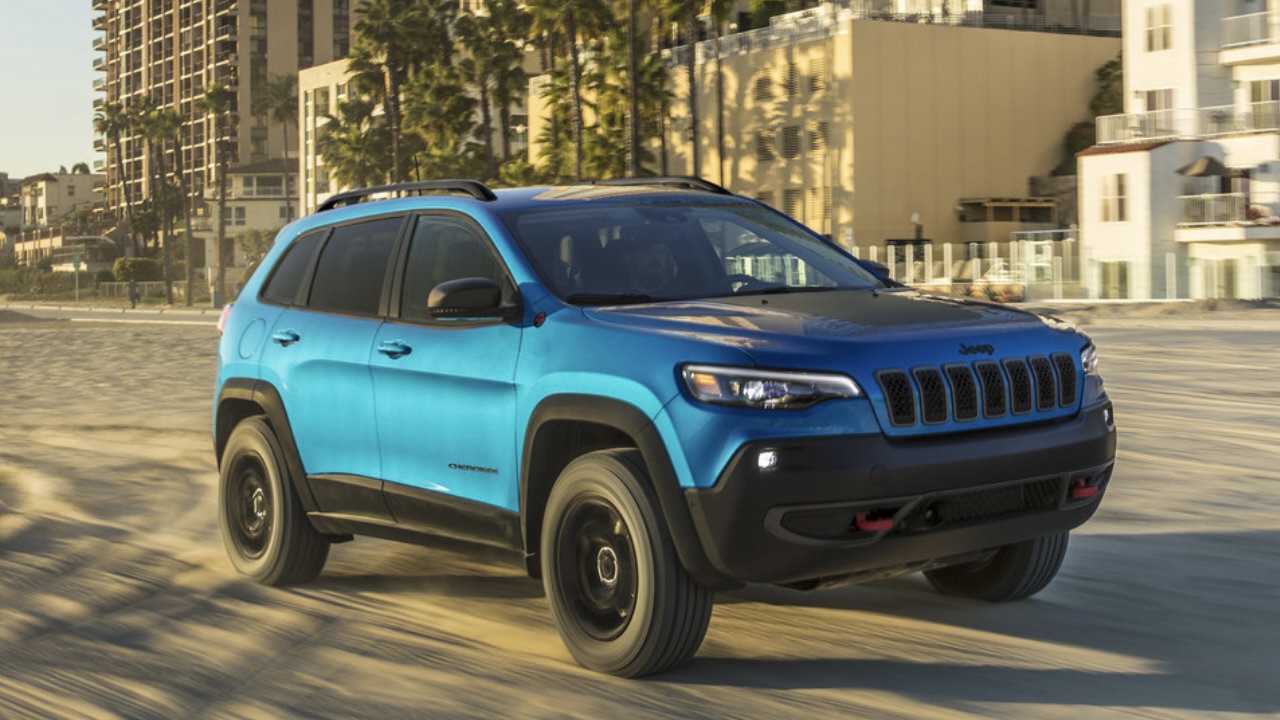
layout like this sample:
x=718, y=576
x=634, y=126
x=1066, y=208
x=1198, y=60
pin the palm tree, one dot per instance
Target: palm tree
x=390, y=36
x=352, y=144
x=112, y=122
x=493, y=68
x=159, y=127
x=279, y=99
x=439, y=111
x=217, y=104
x=570, y=20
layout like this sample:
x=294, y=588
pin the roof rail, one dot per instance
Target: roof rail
x=684, y=181
x=474, y=188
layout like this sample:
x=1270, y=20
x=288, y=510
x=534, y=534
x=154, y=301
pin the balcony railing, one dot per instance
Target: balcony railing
x=1212, y=209
x=1253, y=29
x=1191, y=124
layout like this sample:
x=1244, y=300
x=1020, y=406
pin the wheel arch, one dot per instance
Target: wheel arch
x=563, y=427
x=240, y=398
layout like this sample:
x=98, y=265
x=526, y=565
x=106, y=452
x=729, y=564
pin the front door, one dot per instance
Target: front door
x=444, y=389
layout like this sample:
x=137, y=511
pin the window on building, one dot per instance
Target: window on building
x=763, y=88
x=817, y=75
x=235, y=216
x=1159, y=28
x=792, y=80
x=764, y=145
x=765, y=197
x=818, y=136
x=790, y=141
x=1264, y=96
x=1114, y=198
x=793, y=204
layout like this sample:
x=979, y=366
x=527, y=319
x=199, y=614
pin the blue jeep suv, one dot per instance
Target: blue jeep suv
x=651, y=389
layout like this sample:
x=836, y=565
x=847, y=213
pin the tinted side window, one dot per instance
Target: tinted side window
x=444, y=248
x=352, y=267
x=287, y=277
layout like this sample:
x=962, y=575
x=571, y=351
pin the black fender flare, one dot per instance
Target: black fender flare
x=265, y=396
x=631, y=421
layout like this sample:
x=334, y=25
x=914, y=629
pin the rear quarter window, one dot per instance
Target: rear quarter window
x=353, y=267
x=286, y=279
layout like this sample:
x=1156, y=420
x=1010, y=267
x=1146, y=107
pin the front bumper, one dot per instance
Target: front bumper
x=862, y=506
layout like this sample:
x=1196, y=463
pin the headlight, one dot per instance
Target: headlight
x=1089, y=359
x=765, y=389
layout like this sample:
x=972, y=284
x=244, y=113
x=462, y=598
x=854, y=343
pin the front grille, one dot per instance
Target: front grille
x=962, y=392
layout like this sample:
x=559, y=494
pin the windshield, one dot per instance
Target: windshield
x=625, y=253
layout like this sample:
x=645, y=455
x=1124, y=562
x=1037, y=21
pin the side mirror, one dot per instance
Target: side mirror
x=470, y=298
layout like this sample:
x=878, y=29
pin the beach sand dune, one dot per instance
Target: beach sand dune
x=117, y=599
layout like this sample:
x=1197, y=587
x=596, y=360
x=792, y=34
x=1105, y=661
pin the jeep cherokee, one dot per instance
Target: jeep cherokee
x=652, y=389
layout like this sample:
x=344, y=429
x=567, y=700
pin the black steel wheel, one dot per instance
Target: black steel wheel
x=266, y=532
x=1013, y=572
x=621, y=600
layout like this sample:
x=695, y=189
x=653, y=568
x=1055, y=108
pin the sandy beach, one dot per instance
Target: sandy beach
x=118, y=601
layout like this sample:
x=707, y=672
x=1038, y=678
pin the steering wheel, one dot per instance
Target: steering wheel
x=741, y=282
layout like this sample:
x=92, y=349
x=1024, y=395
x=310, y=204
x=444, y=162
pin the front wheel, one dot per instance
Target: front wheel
x=265, y=530
x=1014, y=572
x=621, y=600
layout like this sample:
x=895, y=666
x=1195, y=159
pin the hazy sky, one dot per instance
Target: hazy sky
x=46, y=85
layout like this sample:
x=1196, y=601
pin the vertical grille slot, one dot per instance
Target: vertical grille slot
x=1067, y=379
x=1019, y=385
x=899, y=396
x=1046, y=390
x=964, y=392
x=933, y=395
x=994, y=401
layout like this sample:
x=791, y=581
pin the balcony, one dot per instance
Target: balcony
x=100, y=43
x=1222, y=209
x=100, y=23
x=100, y=64
x=1228, y=217
x=1194, y=124
x=1252, y=38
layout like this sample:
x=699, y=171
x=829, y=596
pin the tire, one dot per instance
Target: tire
x=623, y=603
x=265, y=530
x=1014, y=572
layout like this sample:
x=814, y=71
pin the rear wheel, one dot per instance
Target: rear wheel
x=266, y=532
x=620, y=597
x=1014, y=572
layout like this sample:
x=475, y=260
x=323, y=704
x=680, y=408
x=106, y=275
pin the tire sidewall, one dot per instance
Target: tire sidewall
x=253, y=441
x=606, y=478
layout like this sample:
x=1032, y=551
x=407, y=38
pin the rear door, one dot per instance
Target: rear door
x=317, y=354
x=444, y=389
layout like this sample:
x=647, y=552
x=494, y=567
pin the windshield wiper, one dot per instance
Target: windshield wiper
x=610, y=298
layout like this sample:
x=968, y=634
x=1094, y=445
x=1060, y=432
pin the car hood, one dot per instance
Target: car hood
x=772, y=329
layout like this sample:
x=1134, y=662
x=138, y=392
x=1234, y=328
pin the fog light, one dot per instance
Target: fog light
x=767, y=459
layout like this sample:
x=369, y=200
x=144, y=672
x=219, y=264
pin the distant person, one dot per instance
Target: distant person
x=133, y=293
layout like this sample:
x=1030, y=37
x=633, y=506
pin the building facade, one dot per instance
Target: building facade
x=1180, y=198
x=51, y=198
x=169, y=51
x=889, y=137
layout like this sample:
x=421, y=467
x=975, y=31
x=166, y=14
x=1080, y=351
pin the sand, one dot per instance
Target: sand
x=117, y=599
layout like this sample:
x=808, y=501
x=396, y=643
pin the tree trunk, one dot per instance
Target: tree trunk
x=179, y=170
x=393, y=112
x=128, y=198
x=220, y=286
x=633, y=94
x=575, y=74
x=166, y=231
x=691, y=21
x=486, y=125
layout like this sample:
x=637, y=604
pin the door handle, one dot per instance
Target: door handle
x=394, y=349
x=285, y=338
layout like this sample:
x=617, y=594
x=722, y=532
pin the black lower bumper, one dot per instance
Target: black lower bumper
x=861, y=505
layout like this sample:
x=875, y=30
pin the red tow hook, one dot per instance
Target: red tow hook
x=1082, y=490
x=866, y=524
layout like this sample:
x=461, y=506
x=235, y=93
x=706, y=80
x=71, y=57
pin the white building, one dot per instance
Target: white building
x=50, y=198
x=1181, y=195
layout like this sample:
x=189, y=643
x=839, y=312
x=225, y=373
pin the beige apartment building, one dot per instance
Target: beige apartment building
x=879, y=132
x=171, y=50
